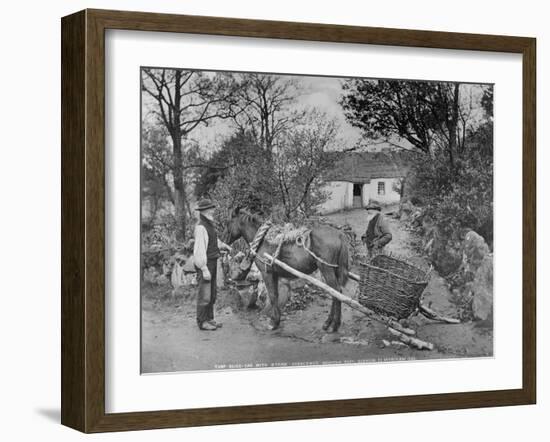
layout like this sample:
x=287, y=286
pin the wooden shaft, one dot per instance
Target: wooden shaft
x=414, y=342
x=343, y=298
x=431, y=314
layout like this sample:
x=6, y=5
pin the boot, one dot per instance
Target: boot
x=207, y=326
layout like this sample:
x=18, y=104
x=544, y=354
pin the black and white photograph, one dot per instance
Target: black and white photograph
x=294, y=220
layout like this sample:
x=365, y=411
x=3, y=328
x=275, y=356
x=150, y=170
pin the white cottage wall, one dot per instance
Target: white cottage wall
x=340, y=197
x=390, y=195
x=341, y=194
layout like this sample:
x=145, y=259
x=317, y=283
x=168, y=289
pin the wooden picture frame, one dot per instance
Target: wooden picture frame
x=83, y=220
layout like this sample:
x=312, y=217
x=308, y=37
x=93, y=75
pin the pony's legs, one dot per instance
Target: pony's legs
x=272, y=285
x=328, y=322
x=335, y=316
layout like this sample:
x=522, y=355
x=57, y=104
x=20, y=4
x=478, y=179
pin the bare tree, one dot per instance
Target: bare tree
x=262, y=106
x=184, y=100
x=301, y=159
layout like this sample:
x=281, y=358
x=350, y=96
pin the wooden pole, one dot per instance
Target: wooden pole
x=415, y=342
x=343, y=298
x=430, y=314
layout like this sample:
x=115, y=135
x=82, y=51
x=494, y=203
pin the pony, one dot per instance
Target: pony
x=327, y=243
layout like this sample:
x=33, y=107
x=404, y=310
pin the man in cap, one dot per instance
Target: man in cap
x=205, y=255
x=378, y=232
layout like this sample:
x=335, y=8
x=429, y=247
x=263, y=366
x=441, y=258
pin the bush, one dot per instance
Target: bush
x=458, y=198
x=160, y=235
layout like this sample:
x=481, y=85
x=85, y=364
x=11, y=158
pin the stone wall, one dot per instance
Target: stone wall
x=477, y=271
x=464, y=260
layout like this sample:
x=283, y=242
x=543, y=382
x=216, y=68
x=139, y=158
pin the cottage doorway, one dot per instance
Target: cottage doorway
x=357, y=195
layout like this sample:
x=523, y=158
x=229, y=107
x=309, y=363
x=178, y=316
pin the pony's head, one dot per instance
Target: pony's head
x=234, y=226
x=242, y=223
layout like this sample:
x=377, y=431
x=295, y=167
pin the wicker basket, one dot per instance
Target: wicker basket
x=391, y=286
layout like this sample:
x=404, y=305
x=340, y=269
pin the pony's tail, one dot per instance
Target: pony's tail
x=343, y=264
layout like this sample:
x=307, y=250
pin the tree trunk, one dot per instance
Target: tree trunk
x=453, y=124
x=180, y=214
x=179, y=185
x=180, y=196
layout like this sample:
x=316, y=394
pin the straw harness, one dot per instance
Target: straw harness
x=301, y=241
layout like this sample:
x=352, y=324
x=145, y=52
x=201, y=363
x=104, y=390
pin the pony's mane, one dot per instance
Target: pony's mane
x=253, y=218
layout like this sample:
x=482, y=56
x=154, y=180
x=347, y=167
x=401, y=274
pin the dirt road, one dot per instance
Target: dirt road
x=171, y=340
